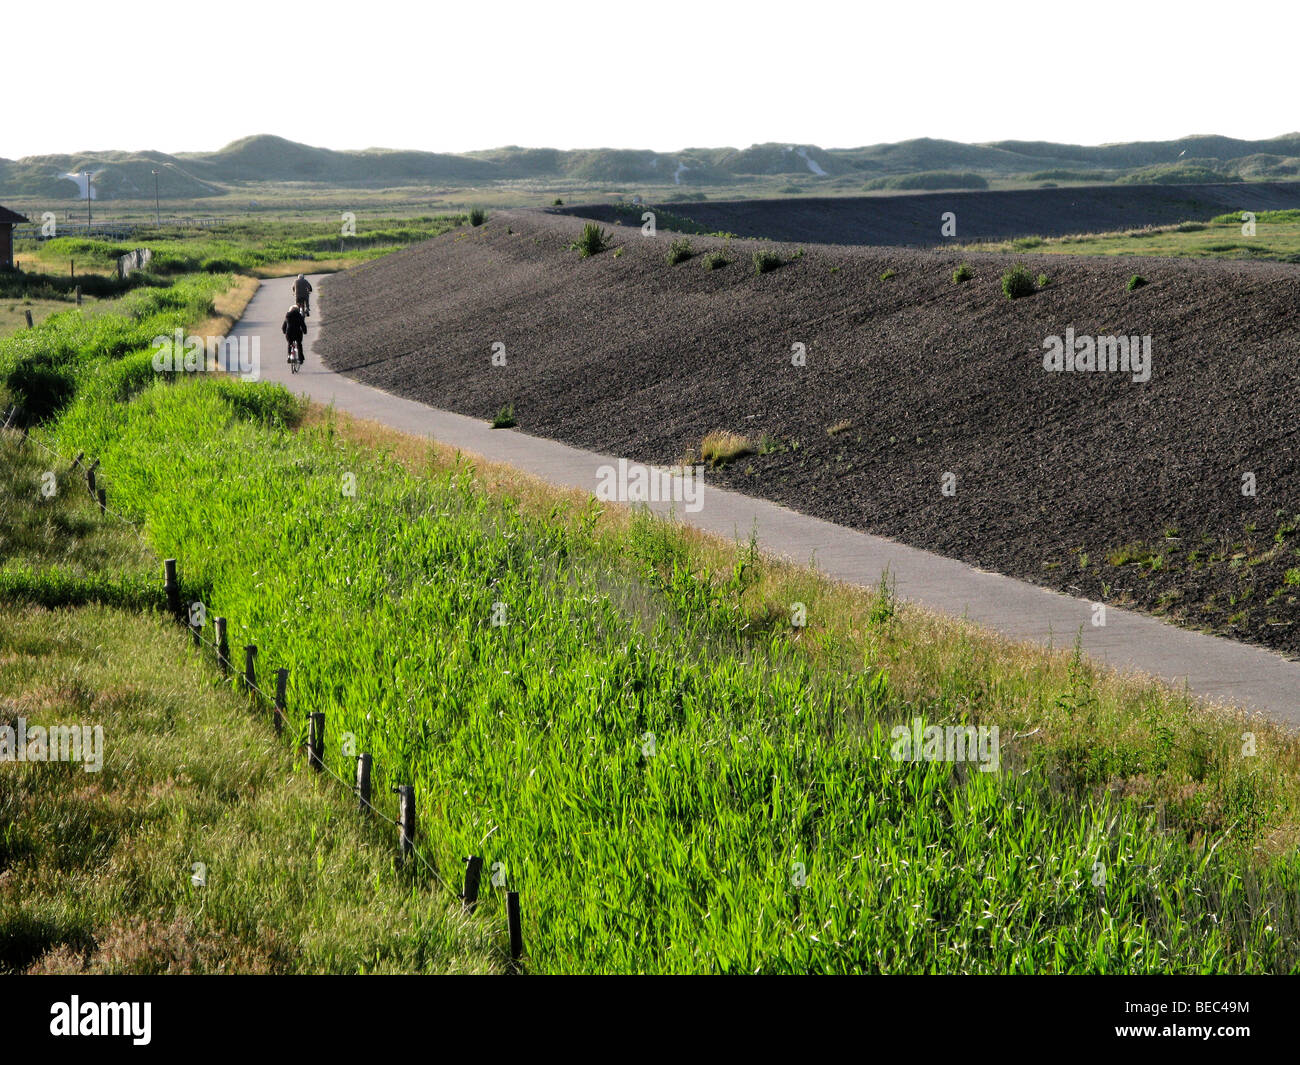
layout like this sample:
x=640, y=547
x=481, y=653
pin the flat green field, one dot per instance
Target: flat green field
x=12, y=317
x=1276, y=236
x=252, y=245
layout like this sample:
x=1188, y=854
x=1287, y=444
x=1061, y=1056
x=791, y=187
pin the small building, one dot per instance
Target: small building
x=8, y=219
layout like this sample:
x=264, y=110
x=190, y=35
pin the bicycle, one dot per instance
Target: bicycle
x=295, y=355
x=304, y=306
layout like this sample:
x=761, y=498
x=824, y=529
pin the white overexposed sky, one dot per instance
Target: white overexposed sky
x=665, y=75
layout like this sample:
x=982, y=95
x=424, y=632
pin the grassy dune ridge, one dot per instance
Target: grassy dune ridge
x=43, y=368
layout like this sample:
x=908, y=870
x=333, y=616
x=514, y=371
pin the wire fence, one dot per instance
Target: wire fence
x=405, y=822
x=107, y=229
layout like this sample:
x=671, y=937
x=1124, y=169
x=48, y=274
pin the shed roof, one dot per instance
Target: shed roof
x=12, y=217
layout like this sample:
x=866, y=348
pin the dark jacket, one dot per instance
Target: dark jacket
x=302, y=289
x=294, y=327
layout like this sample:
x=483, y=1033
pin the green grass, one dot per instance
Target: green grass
x=929, y=179
x=97, y=867
x=766, y=261
x=43, y=368
x=246, y=245
x=531, y=734
x=13, y=316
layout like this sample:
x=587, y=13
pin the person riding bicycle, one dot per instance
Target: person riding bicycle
x=302, y=292
x=294, y=329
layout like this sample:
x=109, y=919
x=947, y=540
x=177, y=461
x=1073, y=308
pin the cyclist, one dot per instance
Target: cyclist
x=294, y=329
x=302, y=293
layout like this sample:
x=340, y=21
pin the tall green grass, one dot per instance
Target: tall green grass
x=650, y=770
x=247, y=245
x=43, y=368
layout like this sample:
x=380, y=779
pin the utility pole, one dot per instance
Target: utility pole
x=157, y=218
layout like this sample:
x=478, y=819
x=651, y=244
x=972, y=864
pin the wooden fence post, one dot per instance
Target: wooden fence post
x=516, y=929
x=469, y=897
x=29, y=318
x=316, y=740
x=405, y=821
x=223, y=648
x=103, y=500
x=363, y=783
x=77, y=461
x=90, y=479
x=250, y=675
x=281, y=684
x=173, y=589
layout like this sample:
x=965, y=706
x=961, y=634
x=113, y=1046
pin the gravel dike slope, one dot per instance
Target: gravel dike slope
x=1089, y=482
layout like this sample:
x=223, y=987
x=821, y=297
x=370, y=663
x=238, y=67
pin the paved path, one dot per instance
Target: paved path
x=1214, y=668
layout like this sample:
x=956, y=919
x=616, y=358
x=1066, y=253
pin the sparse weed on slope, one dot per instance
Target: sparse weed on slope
x=679, y=251
x=1018, y=282
x=593, y=241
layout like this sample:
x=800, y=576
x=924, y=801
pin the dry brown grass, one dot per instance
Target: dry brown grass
x=302, y=266
x=722, y=446
x=227, y=308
